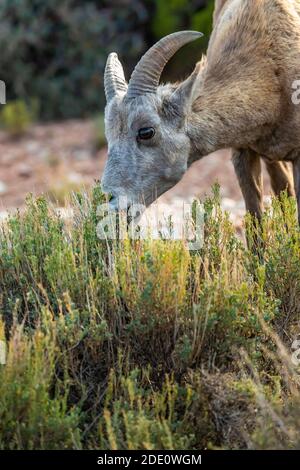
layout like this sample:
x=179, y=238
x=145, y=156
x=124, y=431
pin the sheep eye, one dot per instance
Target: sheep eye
x=146, y=133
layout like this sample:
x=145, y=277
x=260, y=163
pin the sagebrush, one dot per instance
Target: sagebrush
x=143, y=344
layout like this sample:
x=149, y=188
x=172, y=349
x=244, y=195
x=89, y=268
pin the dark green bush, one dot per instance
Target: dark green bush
x=55, y=51
x=176, y=15
x=17, y=116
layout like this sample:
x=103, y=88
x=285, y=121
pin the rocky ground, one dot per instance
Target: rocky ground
x=58, y=158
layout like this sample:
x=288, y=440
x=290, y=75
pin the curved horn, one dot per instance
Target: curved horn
x=114, y=80
x=146, y=75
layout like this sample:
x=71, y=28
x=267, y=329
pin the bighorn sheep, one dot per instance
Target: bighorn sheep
x=240, y=97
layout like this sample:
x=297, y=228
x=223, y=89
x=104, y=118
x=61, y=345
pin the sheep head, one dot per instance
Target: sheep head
x=145, y=124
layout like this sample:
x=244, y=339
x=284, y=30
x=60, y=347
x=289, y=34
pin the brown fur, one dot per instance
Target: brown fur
x=245, y=101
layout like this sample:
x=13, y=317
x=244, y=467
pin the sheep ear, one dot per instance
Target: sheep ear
x=184, y=96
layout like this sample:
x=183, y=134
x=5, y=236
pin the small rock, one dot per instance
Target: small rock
x=74, y=178
x=32, y=147
x=3, y=188
x=3, y=215
x=81, y=154
x=228, y=204
x=24, y=170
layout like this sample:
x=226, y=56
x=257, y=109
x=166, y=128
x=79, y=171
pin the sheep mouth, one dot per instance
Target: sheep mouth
x=114, y=204
x=133, y=204
x=124, y=204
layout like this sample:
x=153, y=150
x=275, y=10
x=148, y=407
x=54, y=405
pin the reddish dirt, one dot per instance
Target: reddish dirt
x=48, y=157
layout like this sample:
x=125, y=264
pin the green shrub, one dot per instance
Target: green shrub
x=34, y=410
x=138, y=418
x=144, y=344
x=55, y=51
x=16, y=117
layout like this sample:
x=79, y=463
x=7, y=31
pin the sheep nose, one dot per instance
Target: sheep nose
x=105, y=186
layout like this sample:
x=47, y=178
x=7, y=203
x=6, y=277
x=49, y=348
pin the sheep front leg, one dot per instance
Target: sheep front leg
x=296, y=168
x=247, y=165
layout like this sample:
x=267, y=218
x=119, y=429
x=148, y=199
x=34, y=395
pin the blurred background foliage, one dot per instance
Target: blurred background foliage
x=53, y=52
